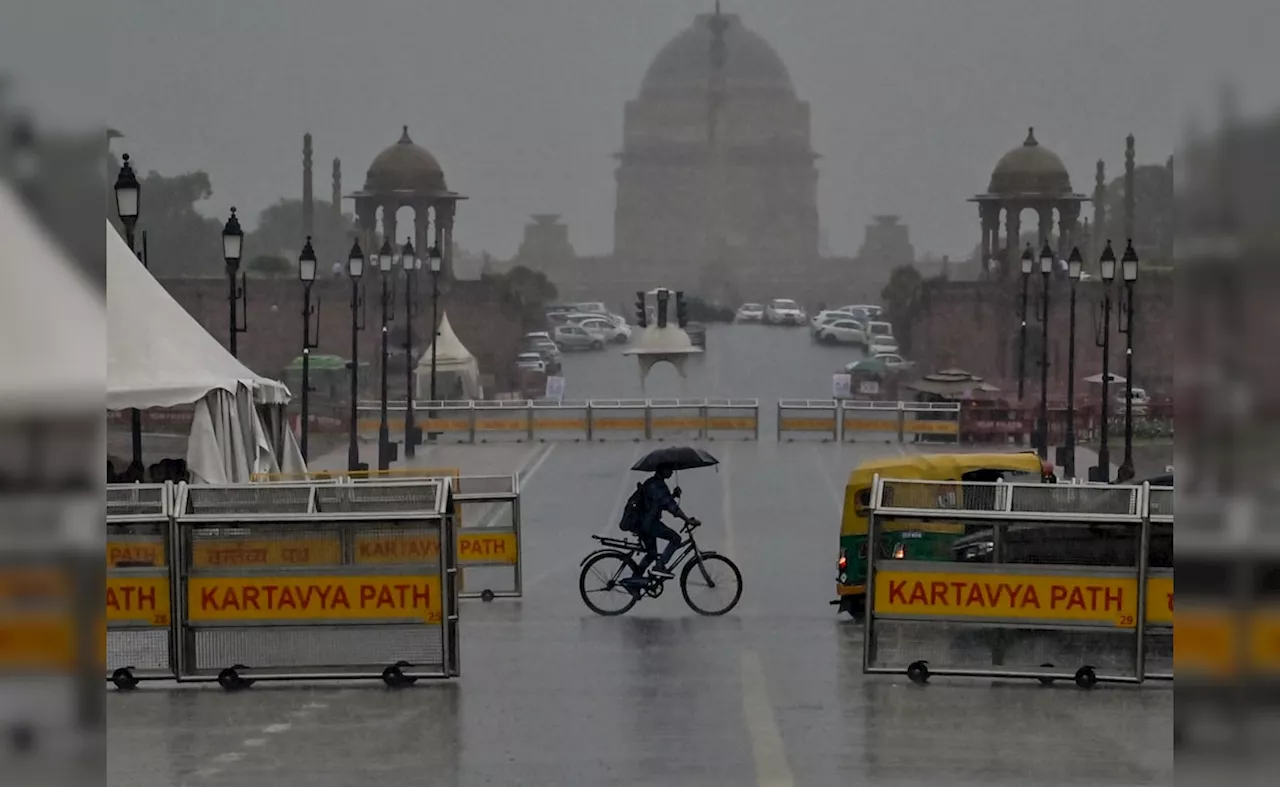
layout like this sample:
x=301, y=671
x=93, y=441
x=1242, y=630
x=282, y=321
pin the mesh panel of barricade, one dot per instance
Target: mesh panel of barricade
x=1074, y=499
x=1160, y=502
x=135, y=500
x=318, y=646
x=368, y=498
x=256, y=498
x=940, y=495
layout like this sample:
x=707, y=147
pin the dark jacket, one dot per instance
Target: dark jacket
x=658, y=499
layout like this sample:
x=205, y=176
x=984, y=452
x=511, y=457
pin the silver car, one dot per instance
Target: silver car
x=573, y=337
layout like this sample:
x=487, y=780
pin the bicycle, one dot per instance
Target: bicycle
x=613, y=565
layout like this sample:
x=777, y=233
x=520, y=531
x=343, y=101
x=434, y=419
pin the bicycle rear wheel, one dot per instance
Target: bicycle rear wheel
x=714, y=581
x=600, y=583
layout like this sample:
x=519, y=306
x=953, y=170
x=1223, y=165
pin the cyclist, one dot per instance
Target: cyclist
x=658, y=498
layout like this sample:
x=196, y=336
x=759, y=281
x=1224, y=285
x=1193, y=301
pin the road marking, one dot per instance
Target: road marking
x=837, y=493
x=229, y=757
x=526, y=476
x=255, y=742
x=726, y=507
x=273, y=729
x=767, y=748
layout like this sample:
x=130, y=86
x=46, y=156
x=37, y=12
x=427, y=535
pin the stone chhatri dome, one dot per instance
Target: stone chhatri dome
x=1030, y=169
x=405, y=167
x=685, y=62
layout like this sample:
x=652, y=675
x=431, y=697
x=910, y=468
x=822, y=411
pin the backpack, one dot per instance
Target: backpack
x=633, y=511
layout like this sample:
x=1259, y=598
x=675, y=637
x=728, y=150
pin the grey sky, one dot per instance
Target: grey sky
x=521, y=100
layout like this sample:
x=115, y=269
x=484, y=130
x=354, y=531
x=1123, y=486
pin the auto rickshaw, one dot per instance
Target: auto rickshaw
x=916, y=542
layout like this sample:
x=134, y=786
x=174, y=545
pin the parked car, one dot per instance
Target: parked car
x=879, y=328
x=841, y=331
x=883, y=345
x=828, y=316
x=531, y=361
x=573, y=337
x=749, y=312
x=590, y=307
x=607, y=329
x=784, y=311
x=872, y=311
x=894, y=361
x=548, y=351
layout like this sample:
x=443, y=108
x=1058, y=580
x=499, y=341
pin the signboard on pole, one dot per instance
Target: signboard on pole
x=841, y=386
x=555, y=388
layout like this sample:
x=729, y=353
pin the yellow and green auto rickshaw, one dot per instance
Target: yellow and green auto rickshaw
x=914, y=542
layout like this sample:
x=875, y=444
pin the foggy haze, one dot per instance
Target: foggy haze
x=913, y=102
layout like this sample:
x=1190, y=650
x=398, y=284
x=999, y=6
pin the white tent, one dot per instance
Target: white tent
x=456, y=367
x=159, y=356
x=54, y=323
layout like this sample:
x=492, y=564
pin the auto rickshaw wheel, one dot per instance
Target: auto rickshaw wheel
x=856, y=606
x=1086, y=678
x=1046, y=681
x=918, y=672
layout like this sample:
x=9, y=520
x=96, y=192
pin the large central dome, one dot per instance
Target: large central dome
x=685, y=62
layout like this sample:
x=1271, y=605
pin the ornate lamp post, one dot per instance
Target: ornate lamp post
x=232, y=249
x=411, y=263
x=1129, y=270
x=128, y=196
x=1046, y=269
x=385, y=268
x=355, y=269
x=1107, y=267
x=307, y=274
x=1027, y=258
x=1074, y=268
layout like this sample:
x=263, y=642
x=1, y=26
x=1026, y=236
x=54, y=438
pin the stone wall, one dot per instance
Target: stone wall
x=975, y=326
x=485, y=320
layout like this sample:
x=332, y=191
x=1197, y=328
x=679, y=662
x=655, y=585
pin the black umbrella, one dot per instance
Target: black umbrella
x=678, y=457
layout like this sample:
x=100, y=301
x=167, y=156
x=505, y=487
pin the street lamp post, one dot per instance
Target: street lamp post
x=1074, y=266
x=1027, y=258
x=307, y=274
x=232, y=250
x=411, y=263
x=1129, y=270
x=1046, y=268
x=1107, y=266
x=128, y=197
x=355, y=269
x=435, y=316
x=384, y=432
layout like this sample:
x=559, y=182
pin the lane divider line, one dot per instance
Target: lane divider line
x=767, y=749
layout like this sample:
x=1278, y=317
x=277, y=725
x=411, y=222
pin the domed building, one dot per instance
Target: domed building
x=1029, y=177
x=716, y=165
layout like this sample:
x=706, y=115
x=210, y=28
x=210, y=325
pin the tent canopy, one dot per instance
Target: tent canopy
x=157, y=354
x=453, y=361
x=54, y=323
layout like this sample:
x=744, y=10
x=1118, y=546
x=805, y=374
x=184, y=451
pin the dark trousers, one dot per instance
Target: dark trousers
x=649, y=537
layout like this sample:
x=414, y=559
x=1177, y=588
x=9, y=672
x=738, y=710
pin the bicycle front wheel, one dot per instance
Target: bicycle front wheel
x=711, y=584
x=600, y=583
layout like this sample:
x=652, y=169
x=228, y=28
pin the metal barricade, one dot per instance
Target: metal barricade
x=453, y=420
x=1048, y=583
x=808, y=417
x=871, y=421
x=681, y=419
x=278, y=582
x=489, y=550
x=931, y=421
x=502, y=420
x=555, y=420
x=139, y=600
x=1159, y=645
x=733, y=418
x=618, y=419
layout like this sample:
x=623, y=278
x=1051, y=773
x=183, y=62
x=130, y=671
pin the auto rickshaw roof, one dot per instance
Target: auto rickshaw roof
x=942, y=466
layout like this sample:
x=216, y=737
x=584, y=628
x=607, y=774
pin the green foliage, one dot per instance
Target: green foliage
x=279, y=232
x=901, y=300
x=180, y=240
x=1152, y=212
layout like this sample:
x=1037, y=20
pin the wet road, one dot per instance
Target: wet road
x=771, y=694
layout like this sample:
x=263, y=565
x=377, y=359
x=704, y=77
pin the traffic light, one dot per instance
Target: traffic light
x=682, y=311
x=664, y=295
x=642, y=316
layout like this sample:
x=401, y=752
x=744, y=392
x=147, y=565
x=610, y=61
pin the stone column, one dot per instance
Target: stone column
x=444, y=237
x=1013, y=235
x=389, y=230
x=308, y=195
x=990, y=214
x=1099, y=239
x=1045, y=212
x=1068, y=220
x=367, y=219
x=422, y=231
x=1129, y=194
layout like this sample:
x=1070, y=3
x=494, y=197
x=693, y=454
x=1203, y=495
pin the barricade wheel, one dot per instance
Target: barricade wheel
x=124, y=679
x=1086, y=678
x=486, y=595
x=230, y=680
x=395, y=678
x=918, y=671
x=1046, y=681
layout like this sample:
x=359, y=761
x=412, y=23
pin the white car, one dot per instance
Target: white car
x=749, y=312
x=784, y=311
x=829, y=316
x=574, y=337
x=883, y=345
x=591, y=307
x=875, y=328
x=894, y=361
x=607, y=329
x=871, y=311
x=531, y=361
x=845, y=331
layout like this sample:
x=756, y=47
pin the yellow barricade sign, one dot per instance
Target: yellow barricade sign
x=1160, y=601
x=475, y=547
x=314, y=598
x=731, y=422
x=225, y=552
x=138, y=600
x=135, y=553
x=480, y=547
x=809, y=424
x=930, y=427
x=1066, y=599
x=607, y=422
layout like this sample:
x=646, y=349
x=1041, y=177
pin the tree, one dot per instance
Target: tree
x=901, y=300
x=279, y=232
x=1152, y=212
x=180, y=240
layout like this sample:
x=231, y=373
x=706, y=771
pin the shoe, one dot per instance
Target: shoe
x=660, y=571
